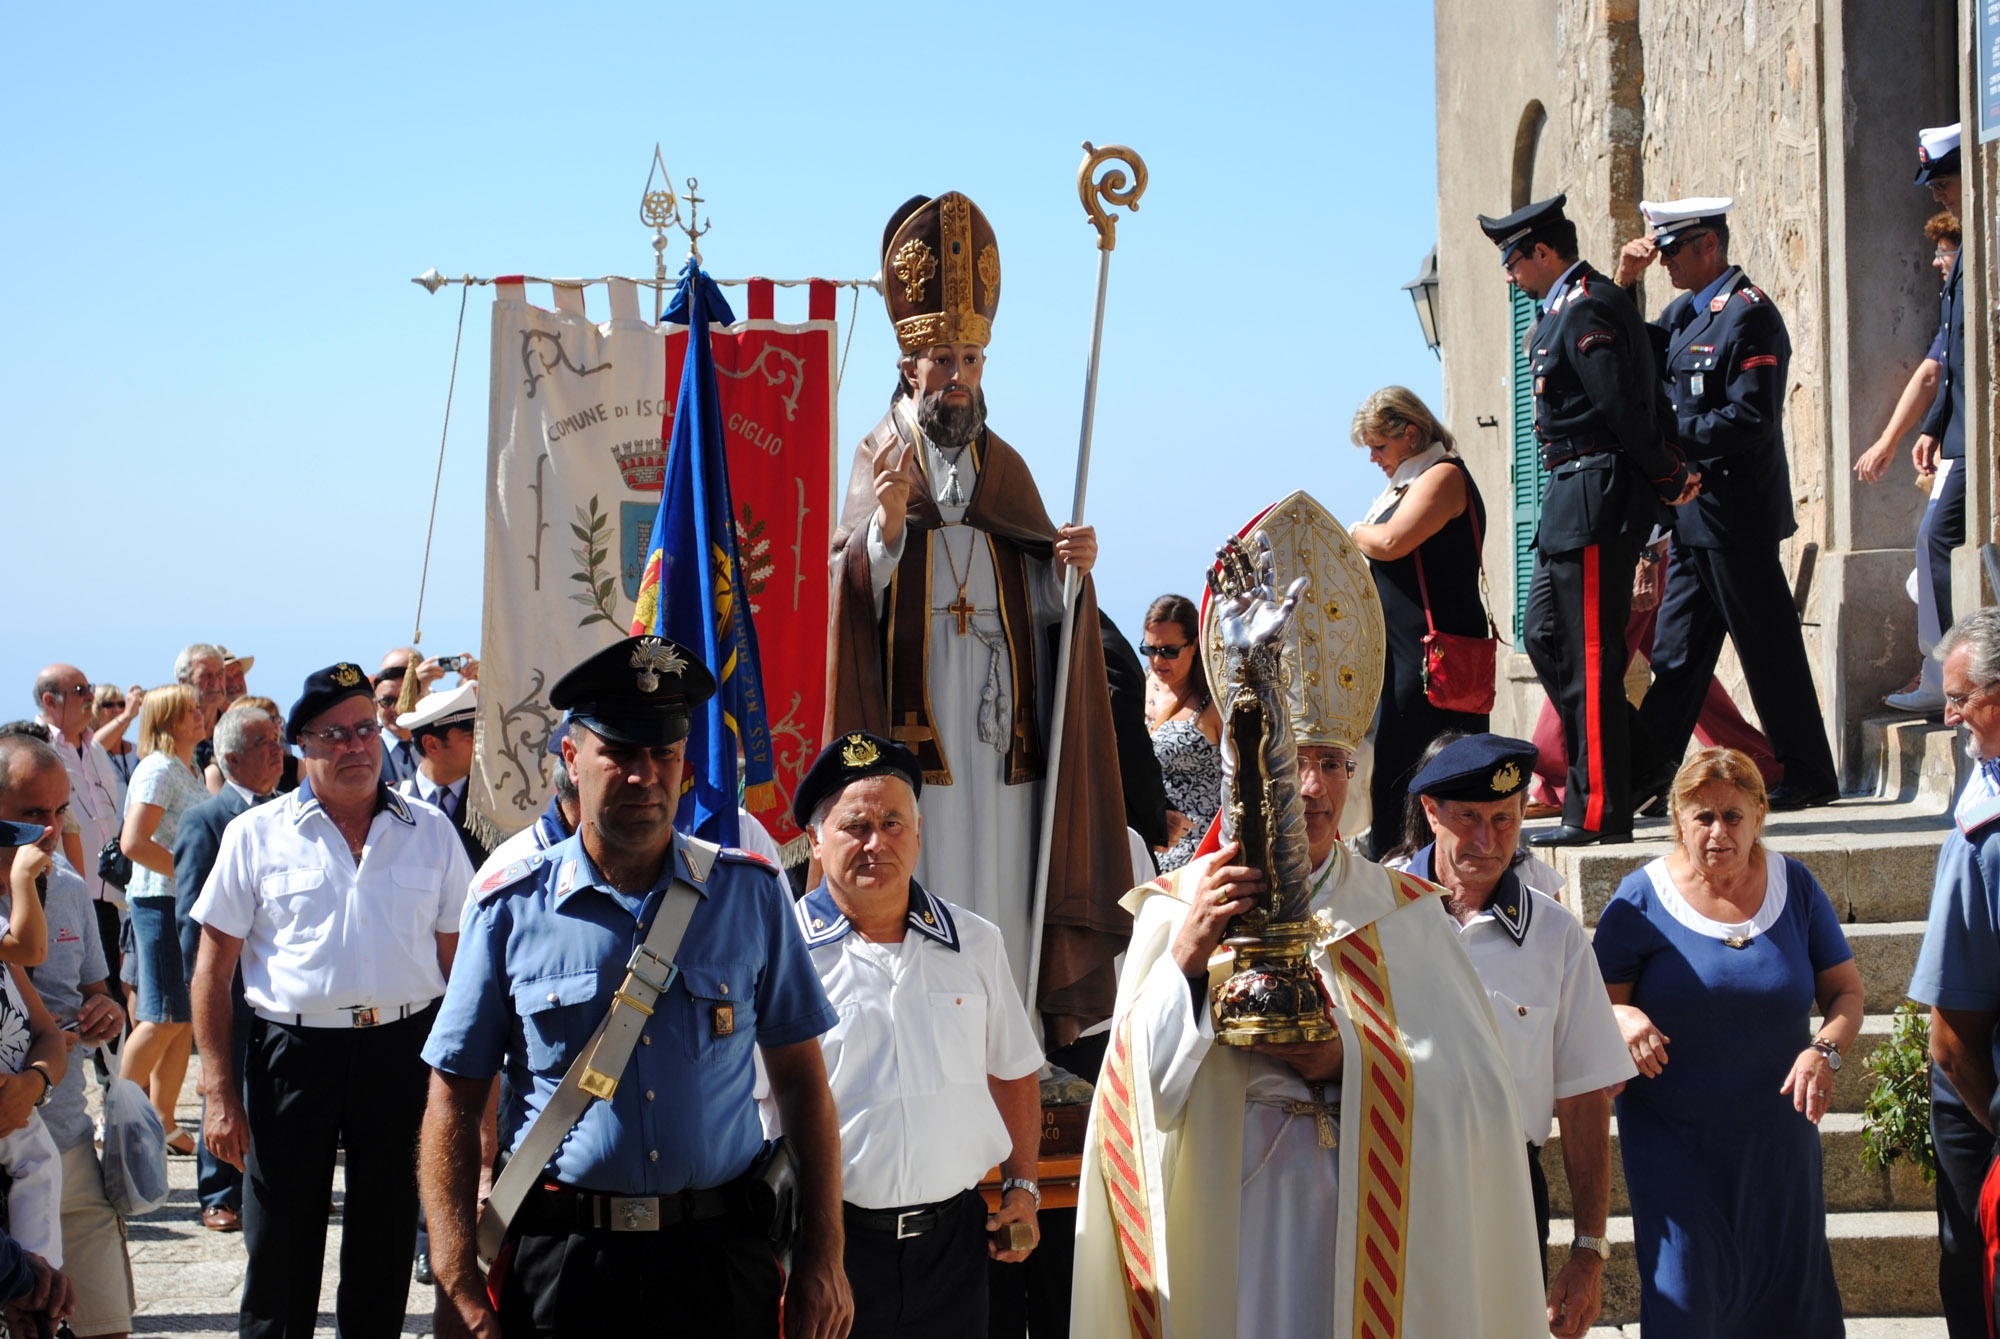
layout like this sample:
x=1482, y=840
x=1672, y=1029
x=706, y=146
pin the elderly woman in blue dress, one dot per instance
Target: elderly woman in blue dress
x=1714, y=957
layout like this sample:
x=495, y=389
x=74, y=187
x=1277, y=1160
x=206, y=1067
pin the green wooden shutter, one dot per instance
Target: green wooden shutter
x=1530, y=481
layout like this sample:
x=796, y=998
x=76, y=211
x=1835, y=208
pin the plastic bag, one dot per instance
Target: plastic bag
x=135, y=1150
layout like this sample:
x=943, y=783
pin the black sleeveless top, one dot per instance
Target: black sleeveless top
x=1451, y=569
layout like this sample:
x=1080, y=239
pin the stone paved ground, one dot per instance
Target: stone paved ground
x=189, y=1279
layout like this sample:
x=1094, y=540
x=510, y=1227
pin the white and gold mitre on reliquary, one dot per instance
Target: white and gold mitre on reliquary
x=1335, y=646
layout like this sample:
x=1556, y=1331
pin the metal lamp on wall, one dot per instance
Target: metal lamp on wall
x=1423, y=291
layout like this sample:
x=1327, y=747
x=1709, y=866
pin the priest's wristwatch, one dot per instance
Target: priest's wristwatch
x=1598, y=1244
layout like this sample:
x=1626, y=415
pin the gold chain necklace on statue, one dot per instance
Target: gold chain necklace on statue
x=961, y=609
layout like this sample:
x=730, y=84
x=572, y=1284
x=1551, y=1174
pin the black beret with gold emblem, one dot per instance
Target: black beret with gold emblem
x=1477, y=768
x=641, y=691
x=940, y=273
x=852, y=757
x=324, y=690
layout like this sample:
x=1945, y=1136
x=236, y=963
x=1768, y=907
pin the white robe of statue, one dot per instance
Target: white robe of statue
x=979, y=832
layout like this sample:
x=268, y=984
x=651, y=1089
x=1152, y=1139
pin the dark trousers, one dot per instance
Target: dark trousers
x=715, y=1277
x=217, y=1183
x=1574, y=630
x=313, y=1093
x=931, y=1286
x=1964, y=1151
x=1538, y=1186
x=1740, y=593
x=1031, y=1297
x=1942, y=530
x=108, y=933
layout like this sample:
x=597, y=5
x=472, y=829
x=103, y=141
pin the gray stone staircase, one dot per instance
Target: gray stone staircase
x=1875, y=856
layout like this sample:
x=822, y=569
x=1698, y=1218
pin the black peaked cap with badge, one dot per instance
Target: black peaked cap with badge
x=642, y=691
x=1477, y=769
x=1520, y=226
x=853, y=757
x=326, y=689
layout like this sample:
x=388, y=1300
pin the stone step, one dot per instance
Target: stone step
x=1850, y=1185
x=1875, y=858
x=1885, y=1264
x=1915, y=760
x=1885, y=953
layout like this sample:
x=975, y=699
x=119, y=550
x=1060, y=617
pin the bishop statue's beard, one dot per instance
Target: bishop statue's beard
x=950, y=426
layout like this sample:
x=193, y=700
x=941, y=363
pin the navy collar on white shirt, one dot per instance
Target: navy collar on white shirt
x=1512, y=905
x=305, y=804
x=822, y=921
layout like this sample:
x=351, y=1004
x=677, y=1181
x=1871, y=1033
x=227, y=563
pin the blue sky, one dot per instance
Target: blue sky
x=224, y=395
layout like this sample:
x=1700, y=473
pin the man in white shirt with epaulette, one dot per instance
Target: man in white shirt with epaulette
x=1562, y=1040
x=933, y=1063
x=341, y=902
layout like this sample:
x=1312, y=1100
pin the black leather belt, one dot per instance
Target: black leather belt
x=910, y=1221
x=1573, y=448
x=563, y=1207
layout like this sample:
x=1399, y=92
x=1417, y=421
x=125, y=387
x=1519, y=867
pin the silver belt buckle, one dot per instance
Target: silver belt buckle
x=903, y=1217
x=366, y=1017
x=636, y=1214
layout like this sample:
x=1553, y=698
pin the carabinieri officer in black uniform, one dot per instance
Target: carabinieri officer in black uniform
x=1612, y=475
x=1725, y=358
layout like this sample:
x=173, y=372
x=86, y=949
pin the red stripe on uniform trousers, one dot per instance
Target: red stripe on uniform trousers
x=1593, y=654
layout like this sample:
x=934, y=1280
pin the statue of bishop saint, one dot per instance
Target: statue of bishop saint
x=947, y=596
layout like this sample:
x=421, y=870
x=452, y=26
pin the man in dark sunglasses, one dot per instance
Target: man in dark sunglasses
x=1725, y=356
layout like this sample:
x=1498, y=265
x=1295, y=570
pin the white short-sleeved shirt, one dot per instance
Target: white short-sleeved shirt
x=922, y=1024
x=1549, y=1002
x=322, y=934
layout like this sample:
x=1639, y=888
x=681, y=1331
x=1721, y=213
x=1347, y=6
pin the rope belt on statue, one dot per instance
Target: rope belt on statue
x=1324, y=1113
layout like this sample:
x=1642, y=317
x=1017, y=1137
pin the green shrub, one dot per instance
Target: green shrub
x=1896, y=1122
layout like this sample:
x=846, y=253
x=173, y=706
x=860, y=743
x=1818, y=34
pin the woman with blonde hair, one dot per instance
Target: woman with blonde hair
x=164, y=787
x=1422, y=541
x=1714, y=957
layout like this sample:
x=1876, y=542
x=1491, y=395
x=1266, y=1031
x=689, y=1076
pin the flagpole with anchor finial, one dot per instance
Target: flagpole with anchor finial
x=1113, y=187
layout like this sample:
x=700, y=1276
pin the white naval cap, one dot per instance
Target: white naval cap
x=459, y=706
x=1937, y=152
x=1671, y=218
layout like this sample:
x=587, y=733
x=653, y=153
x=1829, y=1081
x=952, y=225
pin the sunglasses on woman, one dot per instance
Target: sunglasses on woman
x=1162, y=652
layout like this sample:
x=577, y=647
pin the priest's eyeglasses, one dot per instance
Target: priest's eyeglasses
x=1959, y=701
x=1162, y=652
x=340, y=736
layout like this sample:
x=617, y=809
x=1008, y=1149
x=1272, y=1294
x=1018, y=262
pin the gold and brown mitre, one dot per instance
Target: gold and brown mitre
x=940, y=273
x=1334, y=648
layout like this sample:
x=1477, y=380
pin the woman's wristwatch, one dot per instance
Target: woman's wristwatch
x=1830, y=1051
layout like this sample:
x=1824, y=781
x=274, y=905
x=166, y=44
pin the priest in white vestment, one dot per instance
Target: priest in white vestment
x=946, y=597
x=1368, y=1186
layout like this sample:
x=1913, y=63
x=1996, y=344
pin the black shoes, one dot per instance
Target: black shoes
x=1565, y=835
x=423, y=1270
x=1785, y=797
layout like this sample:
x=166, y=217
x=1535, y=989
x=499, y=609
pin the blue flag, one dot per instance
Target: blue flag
x=693, y=591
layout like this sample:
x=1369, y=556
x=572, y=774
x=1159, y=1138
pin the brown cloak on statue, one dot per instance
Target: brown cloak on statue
x=1083, y=926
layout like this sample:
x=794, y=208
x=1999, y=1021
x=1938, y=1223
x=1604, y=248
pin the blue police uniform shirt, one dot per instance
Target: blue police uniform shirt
x=1958, y=965
x=1707, y=295
x=537, y=965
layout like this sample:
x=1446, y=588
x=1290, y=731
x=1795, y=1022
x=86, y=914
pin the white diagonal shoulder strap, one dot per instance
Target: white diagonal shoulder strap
x=593, y=1075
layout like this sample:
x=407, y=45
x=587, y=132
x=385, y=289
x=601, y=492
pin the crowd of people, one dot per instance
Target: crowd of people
x=600, y=1070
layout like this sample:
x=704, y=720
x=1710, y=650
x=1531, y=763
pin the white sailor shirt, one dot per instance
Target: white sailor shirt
x=1548, y=998
x=323, y=935
x=921, y=1026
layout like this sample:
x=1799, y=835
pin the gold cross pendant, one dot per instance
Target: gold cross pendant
x=1322, y=1112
